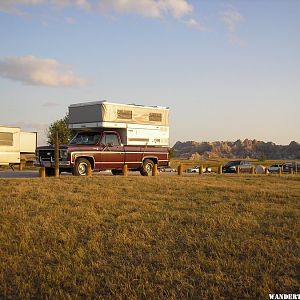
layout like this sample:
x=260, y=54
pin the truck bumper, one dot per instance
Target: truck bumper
x=51, y=164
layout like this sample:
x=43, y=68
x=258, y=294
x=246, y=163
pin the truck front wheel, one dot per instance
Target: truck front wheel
x=49, y=171
x=81, y=167
x=147, y=167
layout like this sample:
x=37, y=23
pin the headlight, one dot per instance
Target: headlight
x=64, y=154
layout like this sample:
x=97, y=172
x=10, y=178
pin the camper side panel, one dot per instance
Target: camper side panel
x=92, y=114
x=85, y=114
x=148, y=135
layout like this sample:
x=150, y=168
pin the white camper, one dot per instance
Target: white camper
x=15, y=145
x=136, y=124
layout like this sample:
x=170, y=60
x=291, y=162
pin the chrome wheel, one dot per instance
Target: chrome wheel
x=147, y=167
x=82, y=168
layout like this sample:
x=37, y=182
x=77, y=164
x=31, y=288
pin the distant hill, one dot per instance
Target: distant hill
x=238, y=149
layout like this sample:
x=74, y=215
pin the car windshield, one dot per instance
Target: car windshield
x=232, y=163
x=85, y=138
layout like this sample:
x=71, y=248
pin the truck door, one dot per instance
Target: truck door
x=112, y=154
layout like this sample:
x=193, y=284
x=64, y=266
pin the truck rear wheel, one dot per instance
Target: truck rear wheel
x=147, y=167
x=81, y=167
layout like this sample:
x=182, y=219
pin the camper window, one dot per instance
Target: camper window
x=155, y=117
x=6, y=139
x=124, y=114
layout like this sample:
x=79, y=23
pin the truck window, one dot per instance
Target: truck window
x=85, y=138
x=110, y=138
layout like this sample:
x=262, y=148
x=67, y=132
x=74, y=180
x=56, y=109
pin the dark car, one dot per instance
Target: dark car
x=287, y=167
x=231, y=166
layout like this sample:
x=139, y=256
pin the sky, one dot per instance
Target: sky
x=228, y=70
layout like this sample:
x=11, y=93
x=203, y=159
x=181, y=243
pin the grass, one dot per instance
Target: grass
x=190, y=237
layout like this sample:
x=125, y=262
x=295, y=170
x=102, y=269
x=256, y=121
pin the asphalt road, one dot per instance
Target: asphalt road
x=34, y=174
x=19, y=174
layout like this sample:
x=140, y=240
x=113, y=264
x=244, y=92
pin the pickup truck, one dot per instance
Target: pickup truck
x=101, y=150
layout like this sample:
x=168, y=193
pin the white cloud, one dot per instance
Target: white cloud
x=147, y=8
x=15, y=6
x=180, y=10
x=37, y=71
x=232, y=18
x=192, y=23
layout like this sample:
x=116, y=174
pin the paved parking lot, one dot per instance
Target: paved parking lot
x=19, y=174
x=35, y=173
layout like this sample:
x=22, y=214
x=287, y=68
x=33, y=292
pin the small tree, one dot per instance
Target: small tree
x=62, y=127
x=172, y=153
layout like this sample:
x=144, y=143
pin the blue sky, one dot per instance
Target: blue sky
x=226, y=69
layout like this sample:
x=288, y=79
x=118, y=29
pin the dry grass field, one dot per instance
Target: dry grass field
x=190, y=237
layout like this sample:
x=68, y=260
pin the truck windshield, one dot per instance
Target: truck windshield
x=85, y=138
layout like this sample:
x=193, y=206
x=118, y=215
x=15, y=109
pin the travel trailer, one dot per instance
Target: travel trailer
x=16, y=146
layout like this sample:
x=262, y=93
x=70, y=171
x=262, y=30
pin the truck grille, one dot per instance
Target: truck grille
x=46, y=155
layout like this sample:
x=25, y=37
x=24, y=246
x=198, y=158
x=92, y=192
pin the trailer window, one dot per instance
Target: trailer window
x=124, y=114
x=6, y=139
x=155, y=117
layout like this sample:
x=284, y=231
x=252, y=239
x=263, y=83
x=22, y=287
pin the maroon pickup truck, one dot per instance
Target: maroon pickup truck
x=102, y=150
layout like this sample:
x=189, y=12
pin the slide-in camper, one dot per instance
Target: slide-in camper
x=136, y=124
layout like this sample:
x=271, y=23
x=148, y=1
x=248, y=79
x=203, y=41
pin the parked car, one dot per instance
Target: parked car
x=195, y=169
x=274, y=168
x=231, y=166
x=167, y=169
x=295, y=166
